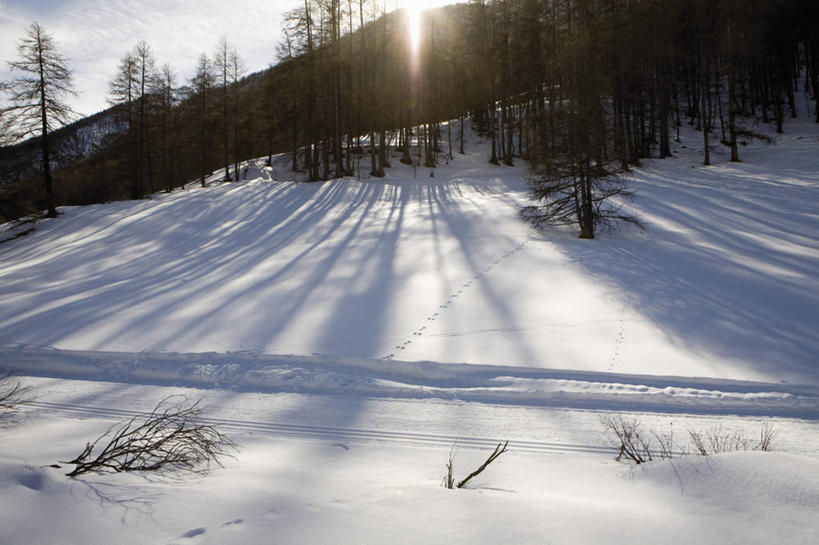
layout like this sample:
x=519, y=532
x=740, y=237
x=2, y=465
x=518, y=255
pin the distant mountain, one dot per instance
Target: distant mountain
x=72, y=143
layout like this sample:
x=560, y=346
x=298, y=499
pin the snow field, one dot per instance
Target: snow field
x=440, y=269
x=322, y=490
x=322, y=324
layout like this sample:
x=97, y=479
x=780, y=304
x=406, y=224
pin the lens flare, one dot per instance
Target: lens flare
x=414, y=13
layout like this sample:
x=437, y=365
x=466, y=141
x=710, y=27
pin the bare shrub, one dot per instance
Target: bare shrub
x=640, y=447
x=726, y=440
x=449, y=479
x=767, y=438
x=12, y=393
x=172, y=436
x=698, y=441
x=665, y=444
x=629, y=440
x=716, y=440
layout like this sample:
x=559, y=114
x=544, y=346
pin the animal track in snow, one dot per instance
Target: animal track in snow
x=195, y=532
x=431, y=318
x=618, y=343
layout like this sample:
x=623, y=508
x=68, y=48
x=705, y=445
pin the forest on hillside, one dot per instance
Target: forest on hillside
x=579, y=88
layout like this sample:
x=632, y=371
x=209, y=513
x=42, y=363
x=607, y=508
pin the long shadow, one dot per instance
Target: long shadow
x=728, y=268
x=182, y=248
x=450, y=212
x=365, y=299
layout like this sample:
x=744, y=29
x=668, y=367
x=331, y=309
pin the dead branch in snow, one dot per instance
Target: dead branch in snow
x=172, y=436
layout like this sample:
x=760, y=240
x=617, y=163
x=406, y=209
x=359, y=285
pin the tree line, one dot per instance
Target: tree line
x=579, y=88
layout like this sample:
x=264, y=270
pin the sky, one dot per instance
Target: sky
x=94, y=34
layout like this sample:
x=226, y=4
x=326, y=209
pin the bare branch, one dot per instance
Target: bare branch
x=13, y=394
x=449, y=477
x=500, y=449
x=172, y=436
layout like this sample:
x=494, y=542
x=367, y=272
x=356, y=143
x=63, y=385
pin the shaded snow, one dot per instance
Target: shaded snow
x=317, y=491
x=348, y=333
x=440, y=269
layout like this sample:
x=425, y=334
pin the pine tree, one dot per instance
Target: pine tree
x=38, y=97
x=202, y=84
x=130, y=88
x=222, y=60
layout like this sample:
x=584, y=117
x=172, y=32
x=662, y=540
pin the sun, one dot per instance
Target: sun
x=414, y=15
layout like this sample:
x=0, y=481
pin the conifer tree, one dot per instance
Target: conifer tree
x=37, y=97
x=202, y=85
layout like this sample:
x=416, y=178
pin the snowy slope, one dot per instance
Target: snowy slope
x=346, y=334
x=440, y=269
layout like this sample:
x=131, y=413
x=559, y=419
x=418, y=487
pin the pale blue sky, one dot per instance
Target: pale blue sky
x=94, y=34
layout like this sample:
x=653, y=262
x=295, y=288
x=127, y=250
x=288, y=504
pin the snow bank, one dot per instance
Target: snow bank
x=253, y=372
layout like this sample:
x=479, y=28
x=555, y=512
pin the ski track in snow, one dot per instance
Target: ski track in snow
x=331, y=433
x=722, y=286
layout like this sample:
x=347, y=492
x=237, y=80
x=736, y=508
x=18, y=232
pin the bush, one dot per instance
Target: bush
x=12, y=393
x=716, y=440
x=632, y=443
x=172, y=436
x=449, y=478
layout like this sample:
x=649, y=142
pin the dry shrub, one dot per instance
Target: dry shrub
x=13, y=394
x=638, y=446
x=631, y=443
x=716, y=440
x=172, y=436
x=449, y=478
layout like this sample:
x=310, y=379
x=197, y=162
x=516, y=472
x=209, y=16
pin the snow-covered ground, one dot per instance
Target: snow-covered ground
x=347, y=333
x=343, y=489
x=722, y=285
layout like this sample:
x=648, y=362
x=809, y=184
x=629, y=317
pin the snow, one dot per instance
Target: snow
x=365, y=490
x=346, y=334
x=441, y=269
x=248, y=371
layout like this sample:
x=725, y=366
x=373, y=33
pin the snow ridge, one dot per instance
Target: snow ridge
x=256, y=372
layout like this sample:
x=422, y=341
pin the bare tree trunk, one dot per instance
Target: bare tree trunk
x=374, y=171
x=704, y=120
x=461, y=150
x=732, y=125
x=44, y=142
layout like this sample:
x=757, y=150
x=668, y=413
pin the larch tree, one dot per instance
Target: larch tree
x=123, y=90
x=131, y=88
x=202, y=84
x=146, y=71
x=237, y=70
x=164, y=87
x=37, y=97
x=222, y=60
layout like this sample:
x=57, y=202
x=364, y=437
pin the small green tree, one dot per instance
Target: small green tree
x=37, y=97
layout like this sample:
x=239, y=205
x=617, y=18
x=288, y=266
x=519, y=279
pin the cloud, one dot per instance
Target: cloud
x=94, y=34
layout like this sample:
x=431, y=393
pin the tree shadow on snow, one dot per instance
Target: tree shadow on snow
x=728, y=266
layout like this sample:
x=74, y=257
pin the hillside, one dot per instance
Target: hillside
x=441, y=269
x=347, y=333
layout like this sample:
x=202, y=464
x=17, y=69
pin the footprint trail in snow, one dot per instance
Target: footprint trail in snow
x=453, y=296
